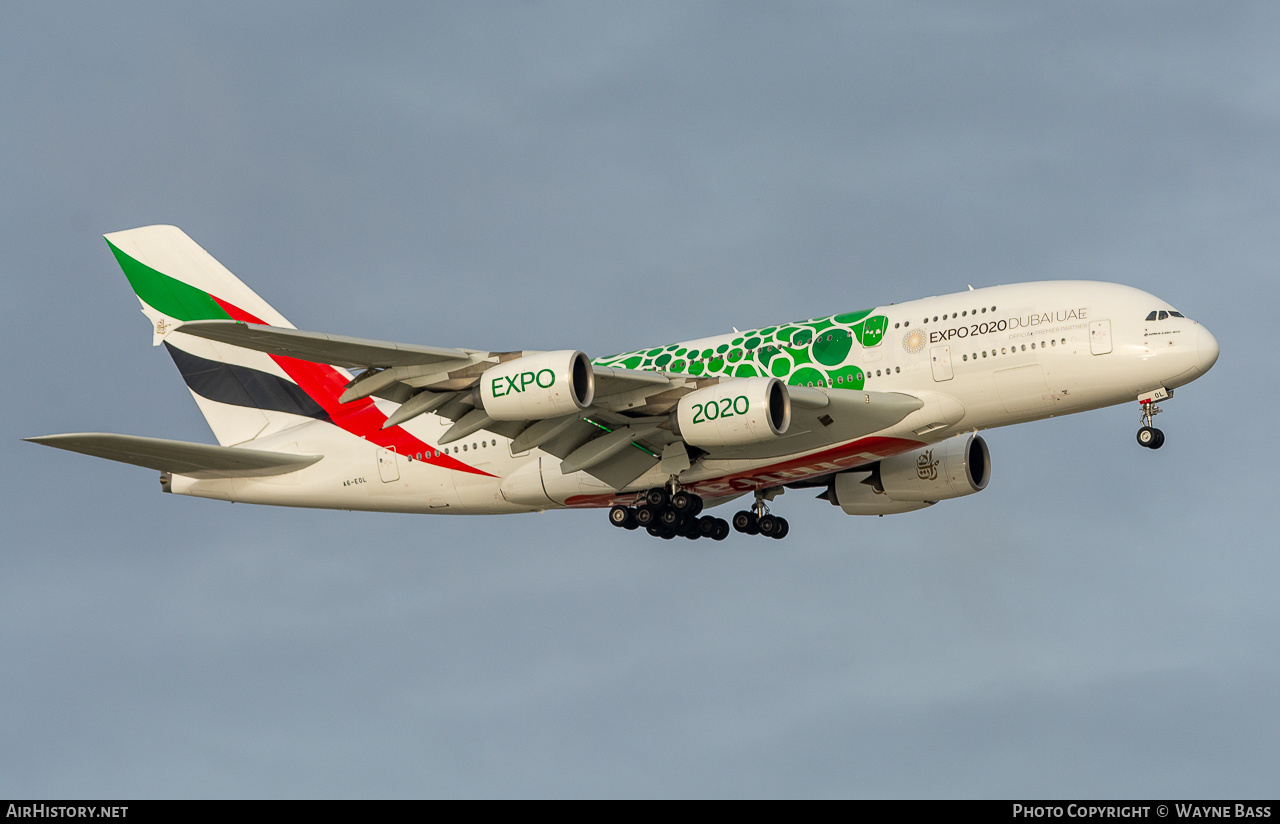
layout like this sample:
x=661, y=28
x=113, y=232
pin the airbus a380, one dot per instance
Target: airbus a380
x=879, y=409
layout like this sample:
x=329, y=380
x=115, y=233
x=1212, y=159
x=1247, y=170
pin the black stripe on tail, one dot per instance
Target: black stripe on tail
x=242, y=386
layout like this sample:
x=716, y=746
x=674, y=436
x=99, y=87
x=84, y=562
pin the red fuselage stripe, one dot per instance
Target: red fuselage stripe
x=360, y=417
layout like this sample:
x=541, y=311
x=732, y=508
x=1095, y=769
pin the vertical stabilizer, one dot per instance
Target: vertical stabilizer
x=243, y=394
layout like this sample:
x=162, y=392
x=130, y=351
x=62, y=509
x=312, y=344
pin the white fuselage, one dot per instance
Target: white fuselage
x=978, y=359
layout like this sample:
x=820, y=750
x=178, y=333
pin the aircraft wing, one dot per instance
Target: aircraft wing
x=338, y=350
x=410, y=365
x=196, y=460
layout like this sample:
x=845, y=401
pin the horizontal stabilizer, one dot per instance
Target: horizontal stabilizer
x=195, y=460
x=337, y=350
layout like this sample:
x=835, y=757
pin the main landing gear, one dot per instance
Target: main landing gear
x=667, y=515
x=758, y=521
x=1148, y=435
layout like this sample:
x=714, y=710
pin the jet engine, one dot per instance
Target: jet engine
x=734, y=413
x=545, y=385
x=951, y=469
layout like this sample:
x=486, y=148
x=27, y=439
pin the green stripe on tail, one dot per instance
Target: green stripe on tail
x=165, y=294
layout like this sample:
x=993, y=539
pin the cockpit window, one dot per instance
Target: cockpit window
x=1164, y=315
x=1151, y=316
x=1177, y=314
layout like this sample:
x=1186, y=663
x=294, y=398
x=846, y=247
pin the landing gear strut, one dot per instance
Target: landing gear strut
x=758, y=521
x=1148, y=435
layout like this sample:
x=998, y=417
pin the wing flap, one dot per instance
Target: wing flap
x=196, y=460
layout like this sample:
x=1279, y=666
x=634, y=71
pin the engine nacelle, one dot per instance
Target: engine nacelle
x=545, y=385
x=954, y=468
x=855, y=492
x=958, y=466
x=734, y=413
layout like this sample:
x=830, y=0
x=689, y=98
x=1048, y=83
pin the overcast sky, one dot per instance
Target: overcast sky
x=1101, y=621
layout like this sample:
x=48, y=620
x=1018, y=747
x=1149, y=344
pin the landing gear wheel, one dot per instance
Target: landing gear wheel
x=654, y=530
x=671, y=518
x=686, y=503
x=746, y=522
x=657, y=497
x=770, y=526
x=619, y=515
x=722, y=530
x=707, y=526
x=786, y=527
x=1147, y=436
x=646, y=515
x=1159, y=441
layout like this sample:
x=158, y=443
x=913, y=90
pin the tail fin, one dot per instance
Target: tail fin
x=243, y=394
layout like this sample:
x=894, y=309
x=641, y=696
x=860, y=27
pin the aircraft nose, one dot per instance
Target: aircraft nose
x=1206, y=349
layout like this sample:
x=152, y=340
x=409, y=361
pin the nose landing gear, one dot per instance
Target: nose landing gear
x=1148, y=435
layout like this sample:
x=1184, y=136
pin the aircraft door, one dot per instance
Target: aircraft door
x=940, y=360
x=388, y=470
x=1100, y=337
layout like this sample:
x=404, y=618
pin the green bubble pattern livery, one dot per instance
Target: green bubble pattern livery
x=817, y=352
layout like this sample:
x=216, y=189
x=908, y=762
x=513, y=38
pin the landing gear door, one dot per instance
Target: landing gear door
x=388, y=470
x=940, y=360
x=1100, y=337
